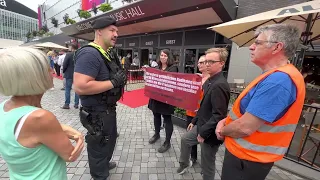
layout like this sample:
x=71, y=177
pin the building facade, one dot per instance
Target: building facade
x=240, y=66
x=144, y=31
x=58, y=8
x=16, y=21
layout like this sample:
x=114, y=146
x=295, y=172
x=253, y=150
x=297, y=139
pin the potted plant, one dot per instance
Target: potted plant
x=105, y=7
x=41, y=32
x=94, y=8
x=45, y=28
x=84, y=14
x=34, y=33
x=54, y=21
x=29, y=35
x=179, y=117
x=66, y=18
x=71, y=21
x=128, y=1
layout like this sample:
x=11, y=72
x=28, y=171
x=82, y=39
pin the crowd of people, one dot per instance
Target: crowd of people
x=256, y=131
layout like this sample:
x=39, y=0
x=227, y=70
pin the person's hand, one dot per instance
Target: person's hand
x=219, y=127
x=119, y=79
x=200, y=139
x=76, y=136
x=190, y=126
x=78, y=148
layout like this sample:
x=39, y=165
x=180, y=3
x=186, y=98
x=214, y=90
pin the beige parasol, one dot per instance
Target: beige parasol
x=49, y=45
x=306, y=16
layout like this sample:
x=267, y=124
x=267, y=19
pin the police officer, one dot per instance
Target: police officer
x=99, y=80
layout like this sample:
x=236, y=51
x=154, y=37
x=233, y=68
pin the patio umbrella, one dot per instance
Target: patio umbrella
x=306, y=16
x=49, y=45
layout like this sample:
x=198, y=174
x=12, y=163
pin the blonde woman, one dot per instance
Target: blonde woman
x=32, y=141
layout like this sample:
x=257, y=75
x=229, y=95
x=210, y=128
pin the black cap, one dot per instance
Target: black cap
x=103, y=22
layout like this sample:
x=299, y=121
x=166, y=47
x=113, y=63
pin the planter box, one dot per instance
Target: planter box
x=179, y=120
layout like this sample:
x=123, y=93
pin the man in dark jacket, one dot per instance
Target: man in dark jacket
x=68, y=70
x=213, y=108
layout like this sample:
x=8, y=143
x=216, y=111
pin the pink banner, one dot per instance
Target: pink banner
x=177, y=89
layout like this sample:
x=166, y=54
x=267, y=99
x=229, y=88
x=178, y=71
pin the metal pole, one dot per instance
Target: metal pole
x=305, y=41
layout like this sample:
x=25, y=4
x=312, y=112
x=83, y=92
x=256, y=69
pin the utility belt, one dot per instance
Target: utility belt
x=111, y=107
x=92, y=120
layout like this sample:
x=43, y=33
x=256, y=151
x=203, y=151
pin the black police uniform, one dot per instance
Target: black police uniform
x=100, y=119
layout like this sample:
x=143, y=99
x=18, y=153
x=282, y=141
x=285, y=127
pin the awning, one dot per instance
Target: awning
x=306, y=16
x=60, y=39
x=49, y=45
x=154, y=15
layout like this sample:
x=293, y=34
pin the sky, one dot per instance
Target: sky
x=32, y=4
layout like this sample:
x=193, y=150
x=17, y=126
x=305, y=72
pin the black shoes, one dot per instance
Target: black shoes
x=112, y=165
x=154, y=138
x=194, y=161
x=65, y=107
x=184, y=167
x=68, y=107
x=165, y=146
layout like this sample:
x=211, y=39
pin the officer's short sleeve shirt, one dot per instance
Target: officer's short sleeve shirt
x=89, y=62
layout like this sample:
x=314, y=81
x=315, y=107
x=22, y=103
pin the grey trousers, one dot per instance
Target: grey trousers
x=208, y=153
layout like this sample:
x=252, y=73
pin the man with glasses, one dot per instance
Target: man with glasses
x=261, y=124
x=213, y=108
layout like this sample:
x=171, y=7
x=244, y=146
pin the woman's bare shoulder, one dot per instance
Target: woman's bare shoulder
x=41, y=118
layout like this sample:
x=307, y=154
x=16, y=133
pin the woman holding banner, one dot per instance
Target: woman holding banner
x=165, y=63
x=192, y=114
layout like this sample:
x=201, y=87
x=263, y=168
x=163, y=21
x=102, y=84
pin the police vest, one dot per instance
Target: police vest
x=112, y=62
x=271, y=141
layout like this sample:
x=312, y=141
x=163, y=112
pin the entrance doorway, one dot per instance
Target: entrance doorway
x=190, y=60
x=176, y=56
x=145, y=56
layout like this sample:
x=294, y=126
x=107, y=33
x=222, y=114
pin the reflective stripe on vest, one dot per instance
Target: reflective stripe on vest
x=268, y=128
x=102, y=51
x=265, y=128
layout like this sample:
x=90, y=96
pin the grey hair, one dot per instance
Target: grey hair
x=289, y=35
x=24, y=71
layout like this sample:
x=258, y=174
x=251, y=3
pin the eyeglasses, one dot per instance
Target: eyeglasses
x=209, y=62
x=260, y=42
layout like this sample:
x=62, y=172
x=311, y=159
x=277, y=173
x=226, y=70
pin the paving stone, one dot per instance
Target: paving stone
x=85, y=177
x=136, y=158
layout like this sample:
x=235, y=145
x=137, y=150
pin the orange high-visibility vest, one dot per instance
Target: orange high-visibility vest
x=194, y=113
x=270, y=142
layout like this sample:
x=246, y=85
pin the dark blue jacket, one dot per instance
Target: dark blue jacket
x=68, y=66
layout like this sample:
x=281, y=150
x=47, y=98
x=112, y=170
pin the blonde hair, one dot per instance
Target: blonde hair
x=223, y=53
x=24, y=71
x=50, y=53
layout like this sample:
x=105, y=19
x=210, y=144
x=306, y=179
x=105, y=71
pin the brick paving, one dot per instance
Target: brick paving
x=136, y=158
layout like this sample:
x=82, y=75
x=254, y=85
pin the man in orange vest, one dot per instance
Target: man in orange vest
x=260, y=126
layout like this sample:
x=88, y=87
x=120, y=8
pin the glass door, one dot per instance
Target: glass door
x=201, y=52
x=190, y=60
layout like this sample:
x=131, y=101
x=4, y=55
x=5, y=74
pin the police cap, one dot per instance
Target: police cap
x=103, y=22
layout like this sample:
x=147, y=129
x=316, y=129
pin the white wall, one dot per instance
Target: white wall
x=240, y=66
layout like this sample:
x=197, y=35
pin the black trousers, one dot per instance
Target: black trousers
x=239, y=169
x=168, y=124
x=100, y=154
x=194, y=153
x=57, y=68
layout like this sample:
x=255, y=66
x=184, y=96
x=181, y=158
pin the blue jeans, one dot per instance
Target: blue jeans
x=69, y=83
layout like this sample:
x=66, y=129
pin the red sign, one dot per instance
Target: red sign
x=177, y=89
x=87, y=4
